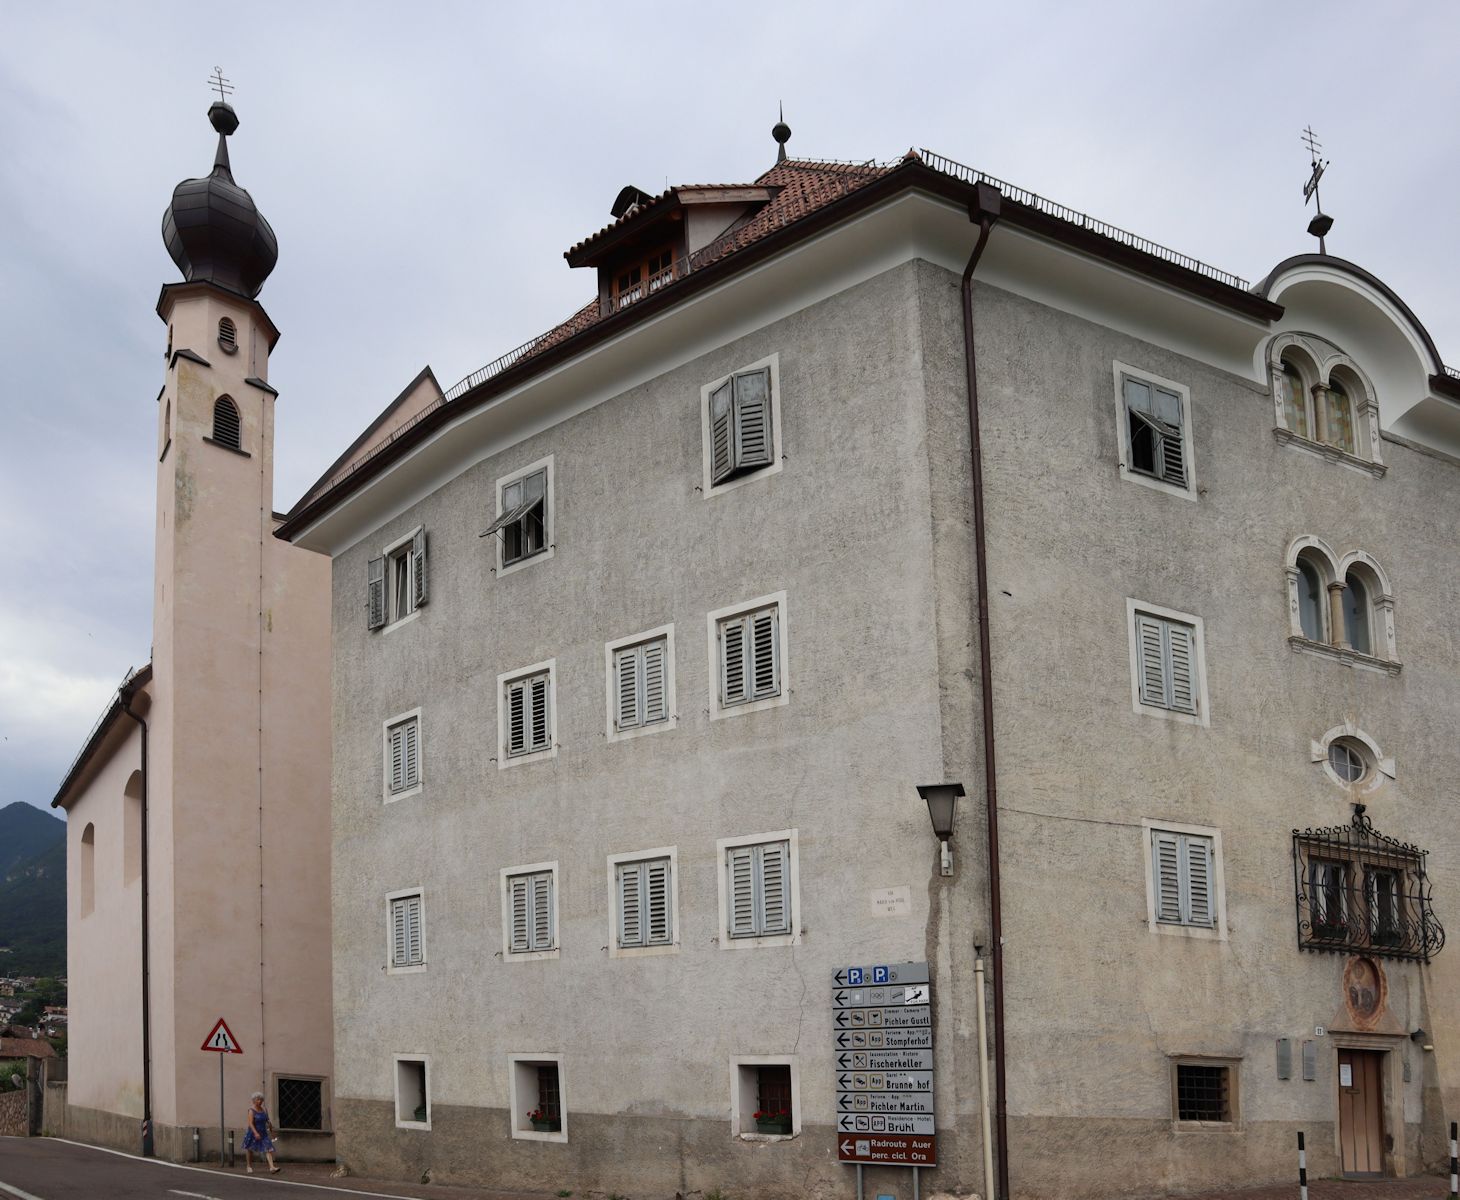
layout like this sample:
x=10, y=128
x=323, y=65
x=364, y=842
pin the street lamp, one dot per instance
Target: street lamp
x=942, y=801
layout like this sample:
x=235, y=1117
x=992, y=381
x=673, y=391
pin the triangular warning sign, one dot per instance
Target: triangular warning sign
x=222, y=1039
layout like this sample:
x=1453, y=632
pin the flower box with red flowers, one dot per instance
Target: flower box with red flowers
x=543, y=1123
x=767, y=1121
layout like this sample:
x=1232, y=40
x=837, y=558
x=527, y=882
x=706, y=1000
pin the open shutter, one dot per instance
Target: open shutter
x=766, y=674
x=397, y=758
x=630, y=905
x=733, y=680
x=722, y=457
x=626, y=683
x=740, y=867
x=1171, y=457
x=753, y=419
x=775, y=888
x=516, y=717
x=542, y=911
x=1199, y=909
x=411, y=756
x=1183, y=668
x=659, y=927
x=517, y=897
x=375, y=593
x=418, y=551
x=1166, y=863
x=655, y=700
x=399, y=940
x=1152, y=660
x=539, y=731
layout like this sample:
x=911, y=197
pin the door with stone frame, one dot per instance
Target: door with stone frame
x=1361, y=1112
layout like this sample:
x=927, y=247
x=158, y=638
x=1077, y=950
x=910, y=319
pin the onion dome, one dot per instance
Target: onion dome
x=213, y=230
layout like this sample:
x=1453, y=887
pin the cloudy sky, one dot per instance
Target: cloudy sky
x=425, y=166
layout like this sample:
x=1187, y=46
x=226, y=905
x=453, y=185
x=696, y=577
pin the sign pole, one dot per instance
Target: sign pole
x=221, y=1151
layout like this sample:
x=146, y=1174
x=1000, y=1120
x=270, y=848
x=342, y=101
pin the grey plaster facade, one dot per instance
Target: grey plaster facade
x=866, y=531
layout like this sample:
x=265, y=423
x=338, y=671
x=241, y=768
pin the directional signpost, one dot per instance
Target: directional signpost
x=220, y=1042
x=882, y=1030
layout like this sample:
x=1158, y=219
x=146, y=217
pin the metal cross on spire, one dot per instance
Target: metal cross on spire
x=1321, y=222
x=220, y=84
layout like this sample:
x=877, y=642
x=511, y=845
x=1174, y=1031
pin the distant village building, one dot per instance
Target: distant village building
x=855, y=478
x=197, y=812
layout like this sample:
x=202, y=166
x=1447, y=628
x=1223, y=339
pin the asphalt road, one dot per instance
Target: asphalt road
x=48, y=1169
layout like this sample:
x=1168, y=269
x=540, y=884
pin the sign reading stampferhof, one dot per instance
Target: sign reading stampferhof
x=883, y=1031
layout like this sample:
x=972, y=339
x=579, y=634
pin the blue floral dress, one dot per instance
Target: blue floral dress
x=257, y=1136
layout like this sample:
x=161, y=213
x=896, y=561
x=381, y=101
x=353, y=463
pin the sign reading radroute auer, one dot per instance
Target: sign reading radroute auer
x=882, y=1028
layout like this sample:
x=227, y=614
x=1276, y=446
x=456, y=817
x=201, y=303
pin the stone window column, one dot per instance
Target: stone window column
x=1320, y=413
x=1336, y=632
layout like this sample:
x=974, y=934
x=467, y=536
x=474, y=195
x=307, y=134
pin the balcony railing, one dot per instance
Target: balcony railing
x=1360, y=892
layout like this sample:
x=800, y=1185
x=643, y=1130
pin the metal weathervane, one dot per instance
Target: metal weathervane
x=1321, y=222
x=220, y=84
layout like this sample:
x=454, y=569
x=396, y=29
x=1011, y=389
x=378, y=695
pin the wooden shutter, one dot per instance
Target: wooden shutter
x=1182, y=642
x=414, y=955
x=517, y=716
x=659, y=922
x=397, y=742
x=375, y=593
x=411, y=753
x=734, y=680
x=722, y=454
x=775, y=889
x=753, y=419
x=1150, y=646
x=519, y=901
x=655, y=703
x=626, y=685
x=1166, y=865
x=765, y=676
x=630, y=904
x=399, y=938
x=542, y=911
x=1285, y=1058
x=1171, y=457
x=418, y=552
x=540, y=731
x=740, y=888
x=1198, y=862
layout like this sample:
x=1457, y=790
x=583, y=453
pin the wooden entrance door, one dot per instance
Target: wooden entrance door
x=1360, y=1112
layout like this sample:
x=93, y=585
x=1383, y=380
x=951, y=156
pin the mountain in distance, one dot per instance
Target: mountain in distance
x=32, y=891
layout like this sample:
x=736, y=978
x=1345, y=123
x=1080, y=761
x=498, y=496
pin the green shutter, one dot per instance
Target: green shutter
x=375, y=593
x=418, y=553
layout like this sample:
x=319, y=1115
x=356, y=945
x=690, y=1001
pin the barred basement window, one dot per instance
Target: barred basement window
x=1359, y=891
x=1204, y=1092
x=228, y=336
x=227, y=425
x=301, y=1103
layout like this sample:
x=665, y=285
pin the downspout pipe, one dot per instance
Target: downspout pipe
x=126, y=695
x=985, y=211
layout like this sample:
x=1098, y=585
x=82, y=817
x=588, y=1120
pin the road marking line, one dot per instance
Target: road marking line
x=10, y=1190
x=157, y=1162
x=195, y=1195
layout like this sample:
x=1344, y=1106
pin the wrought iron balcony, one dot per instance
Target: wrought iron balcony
x=1360, y=892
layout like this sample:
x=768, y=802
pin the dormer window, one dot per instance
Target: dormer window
x=639, y=279
x=1323, y=402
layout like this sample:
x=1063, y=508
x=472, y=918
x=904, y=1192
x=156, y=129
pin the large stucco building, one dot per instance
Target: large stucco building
x=197, y=810
x=618, y=793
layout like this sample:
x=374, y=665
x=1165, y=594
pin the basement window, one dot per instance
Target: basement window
x=1204, y=1091
x=412, y=1092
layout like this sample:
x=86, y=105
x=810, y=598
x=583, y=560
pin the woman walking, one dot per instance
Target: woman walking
x=259, y=1135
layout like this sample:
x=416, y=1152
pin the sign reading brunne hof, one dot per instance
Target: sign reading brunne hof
x=882, y=1028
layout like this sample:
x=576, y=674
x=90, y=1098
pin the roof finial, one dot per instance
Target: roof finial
x=1321, y=222
x=219, y=84
x=782, y=133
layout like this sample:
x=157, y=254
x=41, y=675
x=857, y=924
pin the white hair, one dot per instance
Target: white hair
x=257, y=1096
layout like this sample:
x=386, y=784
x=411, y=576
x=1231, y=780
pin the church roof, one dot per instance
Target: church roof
x=99, y=744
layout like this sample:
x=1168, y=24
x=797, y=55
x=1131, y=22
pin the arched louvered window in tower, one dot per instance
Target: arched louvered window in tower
x=227, y=427
x=228, y=335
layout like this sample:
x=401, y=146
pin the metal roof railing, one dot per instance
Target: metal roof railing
x=1023, y=196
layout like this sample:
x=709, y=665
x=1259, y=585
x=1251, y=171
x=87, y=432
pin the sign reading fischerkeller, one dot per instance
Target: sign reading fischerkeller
x=882, y=1026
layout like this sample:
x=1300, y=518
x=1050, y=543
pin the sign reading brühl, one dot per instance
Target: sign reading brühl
x=882, y=1028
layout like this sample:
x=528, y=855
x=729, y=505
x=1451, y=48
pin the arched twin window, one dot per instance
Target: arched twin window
x=1344, y=604
x=1323, y=401
x=227, y=425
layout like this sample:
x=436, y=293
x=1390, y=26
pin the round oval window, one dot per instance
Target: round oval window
x=1348, y=760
